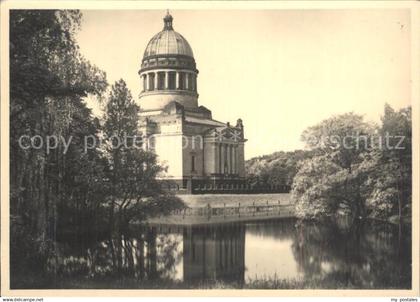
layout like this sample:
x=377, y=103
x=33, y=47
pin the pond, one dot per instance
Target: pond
x=270, y=254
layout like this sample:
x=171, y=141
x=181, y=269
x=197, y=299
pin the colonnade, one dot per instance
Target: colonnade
x=169, y=80
x=226, y=158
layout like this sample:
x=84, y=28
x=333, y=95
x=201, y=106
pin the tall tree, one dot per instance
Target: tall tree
x=388, y=187
x=329, y=181
x=134, y=189
x=48, y=80
x=357, y=168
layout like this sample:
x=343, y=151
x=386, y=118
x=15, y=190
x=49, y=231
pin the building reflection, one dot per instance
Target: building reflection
x=191, y=256
x=214, y=253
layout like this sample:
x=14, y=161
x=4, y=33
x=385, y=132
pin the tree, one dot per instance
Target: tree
x=276, y=169
x=51, y=189
x=388, y=187
x=327, y=184
x=134, y=189
x=313, y=186
x=343, y=137
x=48, y=80
x=357, y=168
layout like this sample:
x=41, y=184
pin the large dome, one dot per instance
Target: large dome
x=168, y=71
x=168, y=42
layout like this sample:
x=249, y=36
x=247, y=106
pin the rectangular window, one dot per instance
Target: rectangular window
x=182, y=81
x=190, y=83
x=151, y=81
x=192, y=163
x=161, y=80
x=172, y=80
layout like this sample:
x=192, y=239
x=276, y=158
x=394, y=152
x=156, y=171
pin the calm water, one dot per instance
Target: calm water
x=366, y=255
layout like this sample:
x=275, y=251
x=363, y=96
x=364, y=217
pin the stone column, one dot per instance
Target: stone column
x=156, y=81
x=216, y=153
x=236, y=160
x=187, y=81
x=192, y=82
x=228, y=157
x=147, y=82
x=195, y=82
x=233, y=159
x=222, y=159
x=240, y=158
x=177, y=80
x=167, y=80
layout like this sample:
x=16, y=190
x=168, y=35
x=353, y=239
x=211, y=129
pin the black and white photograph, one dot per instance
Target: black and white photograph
x=182, y=147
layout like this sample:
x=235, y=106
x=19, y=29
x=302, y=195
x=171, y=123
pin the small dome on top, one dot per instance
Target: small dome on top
x=168, y=42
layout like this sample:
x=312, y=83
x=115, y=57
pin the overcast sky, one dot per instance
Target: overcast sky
x=279, y=70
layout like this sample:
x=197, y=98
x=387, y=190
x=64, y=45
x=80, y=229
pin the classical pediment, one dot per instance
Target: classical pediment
x=225, y=134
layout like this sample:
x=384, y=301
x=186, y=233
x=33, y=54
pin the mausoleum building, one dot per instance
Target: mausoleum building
x=196, y=148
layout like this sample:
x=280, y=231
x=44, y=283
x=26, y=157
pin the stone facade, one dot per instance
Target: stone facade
x=188, y=141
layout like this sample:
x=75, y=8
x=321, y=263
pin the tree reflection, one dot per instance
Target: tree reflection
x=368, y=255
x=360, y=255
x=141, y=255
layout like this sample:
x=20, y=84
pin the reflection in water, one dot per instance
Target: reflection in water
x=215, y=252
x=365, y=255
x=268, y=250
x=368, y=255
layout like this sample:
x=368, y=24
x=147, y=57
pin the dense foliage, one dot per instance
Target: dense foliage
x=48, y=81
x=358, y=169
x=276, y=169
x=350, y=166
x=134, y=190
x=59, y=184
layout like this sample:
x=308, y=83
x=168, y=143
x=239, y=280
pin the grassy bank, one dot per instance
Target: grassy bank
x=133, y=283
